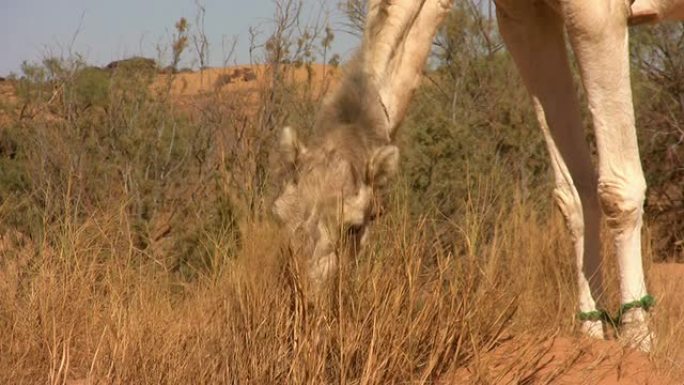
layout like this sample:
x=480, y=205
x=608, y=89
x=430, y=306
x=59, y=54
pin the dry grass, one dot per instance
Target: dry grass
x=92, y=306
x=89, y=305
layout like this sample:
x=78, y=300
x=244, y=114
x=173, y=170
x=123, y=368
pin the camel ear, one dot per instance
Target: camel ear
x=383, y=165
x=291, y=146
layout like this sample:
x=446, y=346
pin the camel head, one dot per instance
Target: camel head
x=332, y=195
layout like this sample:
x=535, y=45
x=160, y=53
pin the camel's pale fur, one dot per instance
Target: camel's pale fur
x=339, y=177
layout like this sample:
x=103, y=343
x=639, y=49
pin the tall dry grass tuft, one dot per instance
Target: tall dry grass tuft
x=90, y=305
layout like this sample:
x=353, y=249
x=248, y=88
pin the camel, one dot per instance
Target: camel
x=339, y=179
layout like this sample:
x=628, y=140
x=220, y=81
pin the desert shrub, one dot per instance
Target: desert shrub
x=472, y=120
x=90, y=88
x=35, y=86
x=133, y=151
x=658, y=62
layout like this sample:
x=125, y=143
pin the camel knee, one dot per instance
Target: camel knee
x=570, y=206
x=578, y=202
x=622, y=203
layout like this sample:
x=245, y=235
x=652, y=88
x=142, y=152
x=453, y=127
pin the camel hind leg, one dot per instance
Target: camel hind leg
x=533, y=34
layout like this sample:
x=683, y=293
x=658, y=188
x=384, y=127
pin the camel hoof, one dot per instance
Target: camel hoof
x=635, y=331
x=593, y=329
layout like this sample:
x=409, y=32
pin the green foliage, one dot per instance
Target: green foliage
x=471, y=119
x=90, y=88
x=32, y=86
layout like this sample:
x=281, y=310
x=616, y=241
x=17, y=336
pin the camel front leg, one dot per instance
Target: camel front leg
x=533, y=34
x=599, y=36
x=406, y=70
x=387, y=26
x=397, y=42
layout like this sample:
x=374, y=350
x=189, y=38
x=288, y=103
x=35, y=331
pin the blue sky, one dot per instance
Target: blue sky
x=110, y=30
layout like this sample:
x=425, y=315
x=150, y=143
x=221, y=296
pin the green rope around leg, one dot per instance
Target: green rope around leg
x=594, y=315
x=646, y=302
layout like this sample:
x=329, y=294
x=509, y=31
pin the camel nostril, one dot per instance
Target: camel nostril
x=355, y=230
x=376, y=212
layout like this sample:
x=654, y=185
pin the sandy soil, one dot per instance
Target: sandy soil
x=240, y=78
x=578, y=360
x=561, y=360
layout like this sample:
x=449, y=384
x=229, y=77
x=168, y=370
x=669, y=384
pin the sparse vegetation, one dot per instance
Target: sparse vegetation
x=137, y=244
